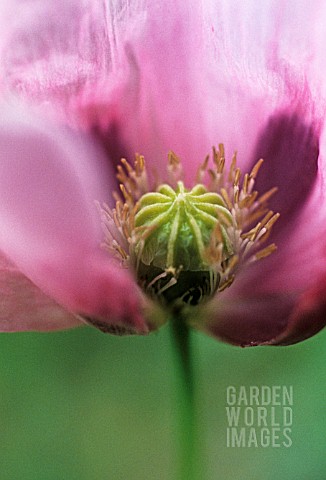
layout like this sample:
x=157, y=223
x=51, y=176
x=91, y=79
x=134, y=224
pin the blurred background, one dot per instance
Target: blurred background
x=83, y=405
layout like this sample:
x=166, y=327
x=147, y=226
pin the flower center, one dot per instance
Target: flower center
x=187, y=244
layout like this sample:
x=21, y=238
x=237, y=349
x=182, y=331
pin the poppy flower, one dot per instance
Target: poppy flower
x=85, y=84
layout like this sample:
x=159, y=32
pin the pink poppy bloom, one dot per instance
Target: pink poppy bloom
x=87, y=82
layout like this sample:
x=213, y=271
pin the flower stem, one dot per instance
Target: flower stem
x=185, y=405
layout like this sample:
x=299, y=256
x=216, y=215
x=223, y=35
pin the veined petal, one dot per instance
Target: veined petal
x=51, y=50
x=211, y=72
x=50, y=179
x=69, y=58
x=259, y=54
x=58, y=54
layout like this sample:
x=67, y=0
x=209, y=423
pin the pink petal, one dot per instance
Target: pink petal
x=50, y=227
x=209, y=73
x=308, y=318
x=281, y=299
x=246, y=320
x=270, y=319
x=23, y=306
x=60, y=53
x=51, y=49
x=290, y=149
x=170, y=98
x=301, y=255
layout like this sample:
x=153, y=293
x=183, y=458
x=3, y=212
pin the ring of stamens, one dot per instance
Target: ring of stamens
x=233, y=242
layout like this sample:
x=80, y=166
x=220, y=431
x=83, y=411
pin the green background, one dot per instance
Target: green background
x=83, y=405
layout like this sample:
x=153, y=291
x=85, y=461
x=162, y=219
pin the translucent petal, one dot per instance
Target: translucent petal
x=23, y=306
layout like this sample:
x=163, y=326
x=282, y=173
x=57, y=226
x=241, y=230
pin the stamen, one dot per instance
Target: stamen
x=225, y=195
x=272, y=221
x=174, y=169
x=185, y=245
x=265, y=252
x=232, y=167
x=255, y=170
x=202, y=170
x=264, y=198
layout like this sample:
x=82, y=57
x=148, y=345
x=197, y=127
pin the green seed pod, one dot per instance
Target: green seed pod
x=174, y=230
x=179, y=224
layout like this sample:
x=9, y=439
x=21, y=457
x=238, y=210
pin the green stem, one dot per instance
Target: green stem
x=185, y=406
